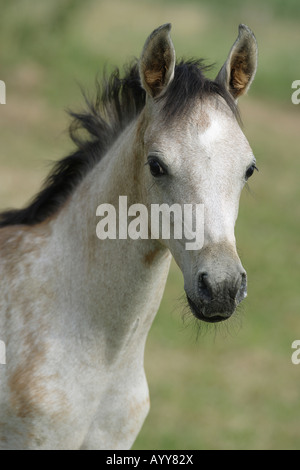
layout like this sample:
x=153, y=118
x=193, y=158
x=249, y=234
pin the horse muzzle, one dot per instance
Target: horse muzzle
x=221, y=284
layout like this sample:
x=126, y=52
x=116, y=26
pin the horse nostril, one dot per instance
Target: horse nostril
x=205, y=289
x=242, y=292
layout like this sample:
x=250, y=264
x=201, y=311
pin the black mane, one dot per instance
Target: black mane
x=118, y=102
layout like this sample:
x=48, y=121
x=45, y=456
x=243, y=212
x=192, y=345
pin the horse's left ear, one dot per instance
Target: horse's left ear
x=157, y=62
x=239, y=69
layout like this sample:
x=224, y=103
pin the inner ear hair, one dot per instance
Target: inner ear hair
x=154, y=77
x=240, y=73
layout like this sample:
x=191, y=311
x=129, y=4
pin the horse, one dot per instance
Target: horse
x=75, y=310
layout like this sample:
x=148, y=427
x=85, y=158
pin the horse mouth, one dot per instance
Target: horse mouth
x=199, y=313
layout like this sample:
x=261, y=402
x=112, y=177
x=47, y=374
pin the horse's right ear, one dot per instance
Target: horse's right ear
x=157, y=62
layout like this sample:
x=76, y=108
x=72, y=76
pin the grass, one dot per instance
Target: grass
x=226, y=387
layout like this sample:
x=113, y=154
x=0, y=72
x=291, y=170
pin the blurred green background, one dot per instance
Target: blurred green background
x=227, y=387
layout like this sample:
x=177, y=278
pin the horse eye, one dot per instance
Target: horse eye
x=250, y=171
x=155, y=168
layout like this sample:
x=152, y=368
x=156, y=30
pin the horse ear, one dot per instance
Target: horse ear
x=239, y=69
x=157, y=62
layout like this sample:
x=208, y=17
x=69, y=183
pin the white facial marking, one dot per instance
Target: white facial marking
x=213, y=133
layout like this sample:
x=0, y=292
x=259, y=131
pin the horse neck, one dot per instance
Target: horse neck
x=116, y=284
